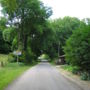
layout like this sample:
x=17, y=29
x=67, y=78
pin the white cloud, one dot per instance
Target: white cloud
x=74, y=8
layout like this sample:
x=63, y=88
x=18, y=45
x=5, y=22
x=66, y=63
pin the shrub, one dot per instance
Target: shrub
x=4, y=46
x=27, y=56
x=77, y=48
x=22, y=57
x=85, y=76
x=75, y=70
x=11, y=57
x=67, y=67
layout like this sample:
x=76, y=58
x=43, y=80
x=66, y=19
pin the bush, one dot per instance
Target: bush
x=4, y=46
x=85, y=76
x=75, y=70
x=11, y=57
x=77, y=49
x=67, y=67
x=22, y=57
x=72, y=69
x=27, y=56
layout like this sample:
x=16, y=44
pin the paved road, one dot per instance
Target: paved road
x=43, y=77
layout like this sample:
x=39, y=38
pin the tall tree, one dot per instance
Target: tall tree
x=63, y=29
x=26, y=15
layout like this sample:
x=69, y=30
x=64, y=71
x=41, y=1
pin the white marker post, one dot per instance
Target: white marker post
x=17, y=53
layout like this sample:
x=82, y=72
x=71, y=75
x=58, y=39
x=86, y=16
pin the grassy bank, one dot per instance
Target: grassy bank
x=10, y=72
x=67, y=67
x=84, y=75
x=3, y=57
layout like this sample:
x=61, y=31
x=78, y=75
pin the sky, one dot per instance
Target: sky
x=73, y=8
x=0, y=11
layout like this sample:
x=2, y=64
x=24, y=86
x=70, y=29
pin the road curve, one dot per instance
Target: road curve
x=42, y=77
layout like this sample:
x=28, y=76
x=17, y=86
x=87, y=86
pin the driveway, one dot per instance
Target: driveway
x=43, y=77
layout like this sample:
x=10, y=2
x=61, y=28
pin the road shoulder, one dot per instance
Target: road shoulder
x=85, y=85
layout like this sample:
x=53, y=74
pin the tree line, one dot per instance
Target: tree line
x=26, y=27
x=23, y=22
x=73, y=37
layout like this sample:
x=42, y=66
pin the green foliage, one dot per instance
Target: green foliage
x=30, y=56
x=77, y=48
x=63, y=29
x=85, y=76
x=8, y=7
x=14, y=44
x=73, y=69
x=11, y=57
x=38, y=41
x=27, y=57
x=28, y=17
x=76, y=70
x=8, y=33
x=29, y=31
x=3, y=22
x=4, y=46
x=54, y=32
x=44, y=56
x=22, y=57
x=70, y=68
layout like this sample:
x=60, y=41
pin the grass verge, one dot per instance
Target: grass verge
x=3, y=57
x=67, y=67
x=73, y=69
x=10, y=72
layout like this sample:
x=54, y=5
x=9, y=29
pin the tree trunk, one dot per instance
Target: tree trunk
x=25, y=42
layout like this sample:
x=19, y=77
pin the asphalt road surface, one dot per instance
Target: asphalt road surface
x=43, y=77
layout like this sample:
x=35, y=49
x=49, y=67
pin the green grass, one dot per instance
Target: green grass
x=73, y=69
x=3, y=57
x=10, y=72
x=67, y=67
